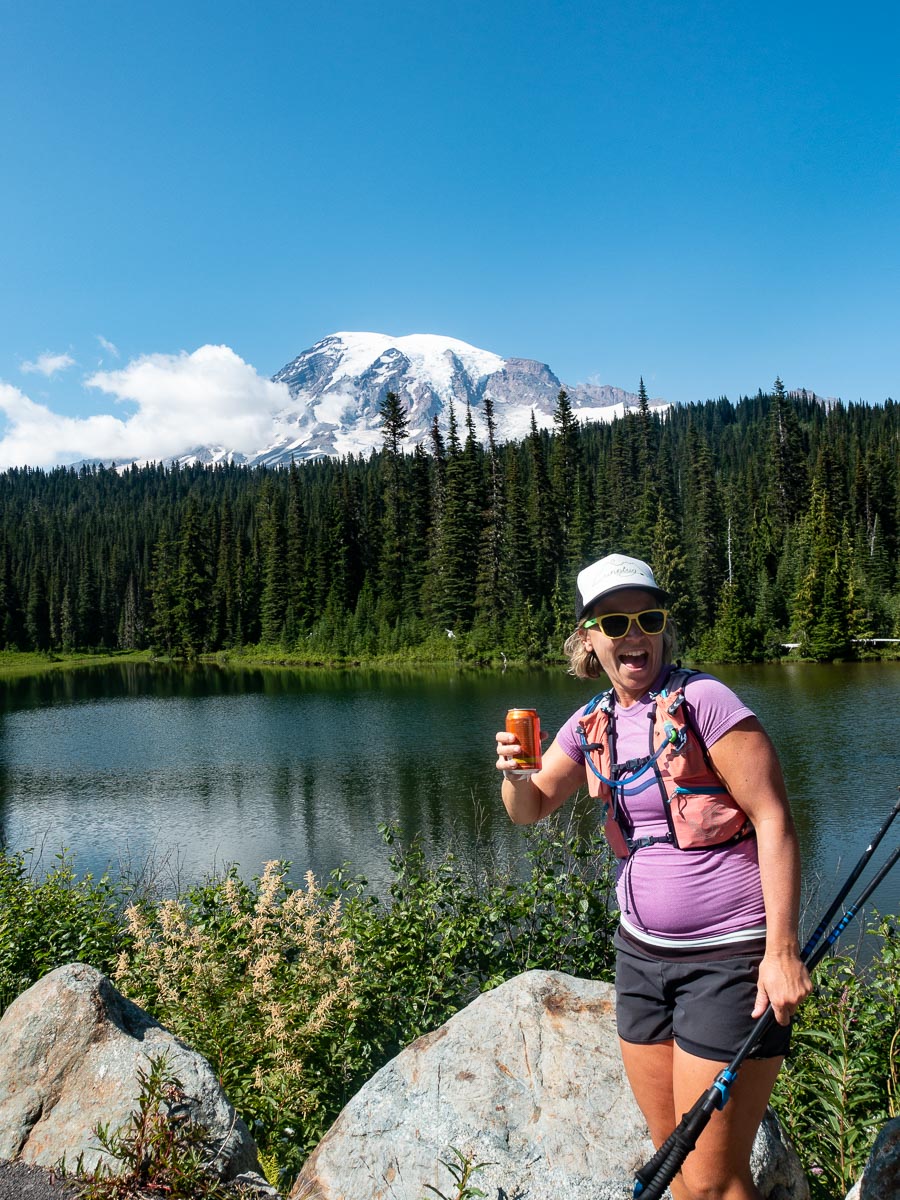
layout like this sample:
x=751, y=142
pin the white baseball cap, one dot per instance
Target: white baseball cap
x=612, y=574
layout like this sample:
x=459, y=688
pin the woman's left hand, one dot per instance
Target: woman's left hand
x=784, y=983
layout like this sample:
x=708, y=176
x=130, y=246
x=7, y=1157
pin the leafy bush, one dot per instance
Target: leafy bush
x=262, y=979
x=451, y=929
x=47, y=922
x=840, y=1083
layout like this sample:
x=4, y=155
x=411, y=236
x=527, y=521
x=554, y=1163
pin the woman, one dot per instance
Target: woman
x=707, y=886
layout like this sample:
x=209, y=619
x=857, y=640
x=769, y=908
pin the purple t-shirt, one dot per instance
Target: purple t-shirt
x=671, y=897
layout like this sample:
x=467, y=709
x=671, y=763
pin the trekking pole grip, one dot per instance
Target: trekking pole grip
x=656, y=1175
x=666, y=1172
x=645, y=1176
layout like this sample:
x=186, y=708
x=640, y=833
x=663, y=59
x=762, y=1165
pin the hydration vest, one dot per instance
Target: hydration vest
x=699, y=811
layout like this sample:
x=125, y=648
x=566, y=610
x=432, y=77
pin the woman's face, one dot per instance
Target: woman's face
x=632, y=662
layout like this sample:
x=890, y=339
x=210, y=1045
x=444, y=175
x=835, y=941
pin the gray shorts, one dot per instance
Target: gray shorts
x=703, y=1003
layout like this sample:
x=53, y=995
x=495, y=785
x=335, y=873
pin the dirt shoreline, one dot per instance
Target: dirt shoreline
x=24, y=1181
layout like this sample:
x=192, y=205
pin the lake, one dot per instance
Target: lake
x=192, y=768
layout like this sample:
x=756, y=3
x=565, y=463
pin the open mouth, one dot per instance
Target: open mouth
x=635, y=661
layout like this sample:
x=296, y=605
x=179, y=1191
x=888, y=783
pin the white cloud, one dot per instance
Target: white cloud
x=108, y=346
x=210, y=397
x=48, y=364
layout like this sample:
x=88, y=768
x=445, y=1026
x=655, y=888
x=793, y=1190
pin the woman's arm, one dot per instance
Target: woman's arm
x=746, y=762
x=531, y=797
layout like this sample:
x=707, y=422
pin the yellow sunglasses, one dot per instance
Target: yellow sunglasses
x=616, y=625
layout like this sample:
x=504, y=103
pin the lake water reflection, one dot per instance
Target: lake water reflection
x=210, y=765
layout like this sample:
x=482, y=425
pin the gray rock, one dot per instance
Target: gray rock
x=528, y=1078
x=70, y=1050
x=250, y=1184
x=881, y=1177
x=775, y=1165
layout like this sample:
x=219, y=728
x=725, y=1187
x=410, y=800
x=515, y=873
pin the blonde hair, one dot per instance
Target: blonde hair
x=584, y=663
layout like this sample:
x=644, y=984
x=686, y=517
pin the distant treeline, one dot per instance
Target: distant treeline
x=773, y=520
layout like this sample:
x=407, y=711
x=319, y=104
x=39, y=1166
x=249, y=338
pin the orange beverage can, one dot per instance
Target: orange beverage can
x=526, y=725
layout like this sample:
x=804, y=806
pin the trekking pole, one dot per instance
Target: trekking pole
x=657, y=1173
x=851, y=879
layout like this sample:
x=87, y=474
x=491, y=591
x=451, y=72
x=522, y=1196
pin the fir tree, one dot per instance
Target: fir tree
x=223, y=622
x=703, y=531
x=394, y=425
x=416, y=533
x=543, y=520
x=821, y=610
x=787, y=461
x=193, y=584
x=452, y=591
x=392, y=563
x=274, y=598
x=131, y=624
x=87, y=605
x=298, y=557
x=37, y=613
x=488, y=585
x=164, y=594
x=565, y=462
x=647, y=488
x=517, y=575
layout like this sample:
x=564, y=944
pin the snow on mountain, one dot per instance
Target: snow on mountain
x=337, y=386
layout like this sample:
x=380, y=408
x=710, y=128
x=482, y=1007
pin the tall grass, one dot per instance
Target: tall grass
x=841, y=1082
x=264, y=981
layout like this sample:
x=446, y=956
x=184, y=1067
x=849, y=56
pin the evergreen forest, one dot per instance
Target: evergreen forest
x=773, y=522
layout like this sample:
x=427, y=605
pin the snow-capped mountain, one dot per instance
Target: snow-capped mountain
x=337, y=385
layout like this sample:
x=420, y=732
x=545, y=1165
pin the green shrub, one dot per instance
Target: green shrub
x=451, y=928
x=48, y=921
x=297, y=995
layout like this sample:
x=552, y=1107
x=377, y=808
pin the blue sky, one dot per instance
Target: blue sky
x=705, y=195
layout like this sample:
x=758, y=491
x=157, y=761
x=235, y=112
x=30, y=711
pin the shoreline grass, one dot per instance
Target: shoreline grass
x=16, y=664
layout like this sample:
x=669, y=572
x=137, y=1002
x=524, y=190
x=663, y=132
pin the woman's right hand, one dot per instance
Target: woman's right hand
x=528, y=796
x=507, y=749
